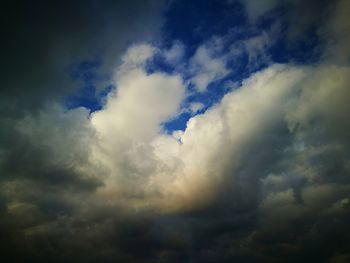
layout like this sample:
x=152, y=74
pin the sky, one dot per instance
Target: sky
x=175, y=131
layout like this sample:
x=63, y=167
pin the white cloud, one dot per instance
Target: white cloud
x=139, y=105
x=131, y=119
x=136, y=55
x=184, y=170
x=206, y=67
x=256, y=48
x=175, y=53
x=194, y=107
x=255, y=9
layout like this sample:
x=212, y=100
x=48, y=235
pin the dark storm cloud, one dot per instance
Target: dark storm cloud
x=41, y=39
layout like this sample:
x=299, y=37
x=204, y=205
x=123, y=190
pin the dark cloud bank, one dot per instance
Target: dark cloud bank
x=279, y=171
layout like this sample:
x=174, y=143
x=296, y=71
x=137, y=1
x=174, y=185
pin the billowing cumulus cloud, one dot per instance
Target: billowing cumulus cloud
x=261, y=175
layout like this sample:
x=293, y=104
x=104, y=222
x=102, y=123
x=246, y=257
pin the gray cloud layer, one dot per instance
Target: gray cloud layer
x=42, y=39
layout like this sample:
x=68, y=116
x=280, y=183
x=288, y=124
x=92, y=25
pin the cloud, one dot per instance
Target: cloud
x=256, y=9
x=301, y=16
x=217, y=165
x=195, y=107
x=131, y=119
x=261, y=176
x=175, y=53
x=206, y=67
x=138, y=54
x=336, y=33
x=43, y=40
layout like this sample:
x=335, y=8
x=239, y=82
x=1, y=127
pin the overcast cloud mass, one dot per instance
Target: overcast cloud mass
x=175, y=131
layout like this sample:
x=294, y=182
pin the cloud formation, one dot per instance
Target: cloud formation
x=260, y=176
